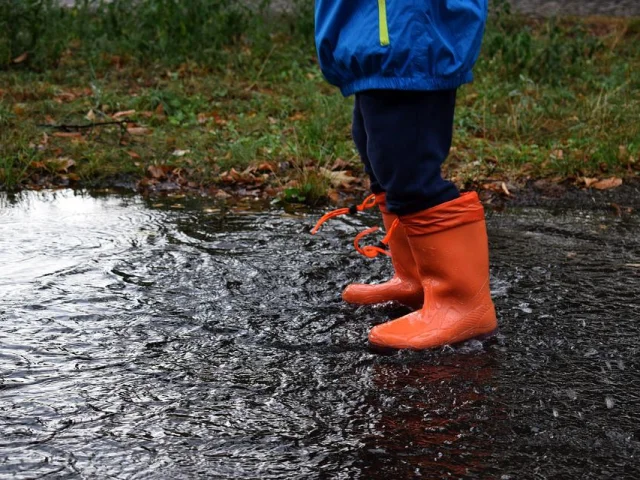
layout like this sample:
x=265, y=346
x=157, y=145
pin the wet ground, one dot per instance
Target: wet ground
x=149, y=339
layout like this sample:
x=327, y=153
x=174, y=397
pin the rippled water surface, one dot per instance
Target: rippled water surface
x=140, y=340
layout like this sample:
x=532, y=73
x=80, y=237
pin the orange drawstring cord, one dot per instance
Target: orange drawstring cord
x=372, y=251
x=368, y=202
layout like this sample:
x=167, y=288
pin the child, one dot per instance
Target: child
x=404, y=60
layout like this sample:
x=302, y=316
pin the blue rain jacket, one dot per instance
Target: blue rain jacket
x=398, y=44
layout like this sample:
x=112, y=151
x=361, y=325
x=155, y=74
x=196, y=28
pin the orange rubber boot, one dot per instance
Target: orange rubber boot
x=450, y=247
x=405, y=286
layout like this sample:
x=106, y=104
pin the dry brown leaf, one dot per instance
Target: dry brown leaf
x=124, y=113
x=138, y=131
x=67, y=134
x=133, y=154
x=159, y=171
x=65, y=97
x=265, y=167
x=38, y=165
x=221, y=195
x=608, y=183
x=340, y=164
x=497, y=187
x=340, y=178
x=218, y=120
x=334, y=196
x=235, y=175
x=63, y=164
x=588, y=181
x=21, y=58
x=297, y=116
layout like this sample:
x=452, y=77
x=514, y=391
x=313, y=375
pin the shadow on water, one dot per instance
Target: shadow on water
x=145, y=341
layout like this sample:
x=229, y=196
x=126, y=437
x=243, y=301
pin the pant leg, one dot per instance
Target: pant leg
x=359, y=135
x=408, y=139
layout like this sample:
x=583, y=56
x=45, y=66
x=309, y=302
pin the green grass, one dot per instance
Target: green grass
x=218, y=92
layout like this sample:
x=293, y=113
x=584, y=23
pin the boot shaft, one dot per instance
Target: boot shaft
x=450, y=247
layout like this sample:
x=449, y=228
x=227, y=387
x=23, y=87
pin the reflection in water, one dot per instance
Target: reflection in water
x=438, y=417
x=138, y=341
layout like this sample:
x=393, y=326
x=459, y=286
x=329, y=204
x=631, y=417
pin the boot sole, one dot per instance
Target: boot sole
x=485, y=339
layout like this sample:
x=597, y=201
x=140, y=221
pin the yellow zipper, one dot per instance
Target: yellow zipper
x=382, y=19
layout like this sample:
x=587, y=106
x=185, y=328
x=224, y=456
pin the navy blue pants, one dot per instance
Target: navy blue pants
x=403, y=138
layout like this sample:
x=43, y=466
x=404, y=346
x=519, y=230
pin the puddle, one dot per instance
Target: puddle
x=148, y=342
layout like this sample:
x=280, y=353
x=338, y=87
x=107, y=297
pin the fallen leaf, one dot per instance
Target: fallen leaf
x=297, y=116
x=588, y=181
x=497, y=187
x=180, y=153
x=235, y=175
x=138, y=131
x=218, y=120
x=67, y=134
x=340, y=178
x=91, y=116
x=65, y=97
x=21, y=58
x=133, y=154
x=340, y=164
x=124, y=113
x=334, y=196
x=159, y=171
x=265, y=167
x=63, y=164
x=558, y=154
x=608, y=183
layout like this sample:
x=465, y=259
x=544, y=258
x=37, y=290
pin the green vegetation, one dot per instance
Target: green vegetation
x=204, y=94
